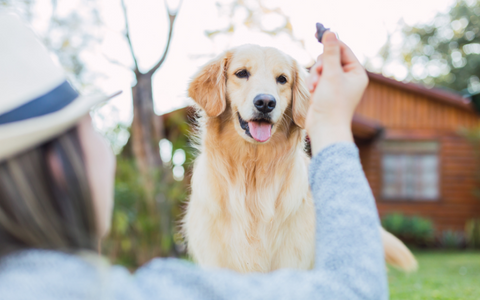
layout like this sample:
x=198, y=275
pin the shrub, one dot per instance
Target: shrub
x=421, y=229
x=472, y=231
x=450, y=239
x=415, y=230
x=141, y=229
x=395, y=223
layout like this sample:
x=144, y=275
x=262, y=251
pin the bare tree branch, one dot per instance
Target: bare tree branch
x=169, y=10
x=172, y=16
x=116, y=62
x=127, y=35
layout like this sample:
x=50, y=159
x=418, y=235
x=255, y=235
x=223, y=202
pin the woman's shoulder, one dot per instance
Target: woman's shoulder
x=44, y=274
x=49, y=274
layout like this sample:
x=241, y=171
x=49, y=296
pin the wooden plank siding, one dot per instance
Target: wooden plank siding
x=410, y=116
x=399, y=109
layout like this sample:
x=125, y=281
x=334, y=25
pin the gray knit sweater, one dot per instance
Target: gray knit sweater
x=349, y=259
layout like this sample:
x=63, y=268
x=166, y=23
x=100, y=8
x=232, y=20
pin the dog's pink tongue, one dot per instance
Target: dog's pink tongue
x=260, y=131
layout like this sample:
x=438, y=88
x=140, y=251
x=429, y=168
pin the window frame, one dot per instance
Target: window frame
x=399, y=199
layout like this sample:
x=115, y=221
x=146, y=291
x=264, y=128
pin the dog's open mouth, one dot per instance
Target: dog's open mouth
x=258, y=129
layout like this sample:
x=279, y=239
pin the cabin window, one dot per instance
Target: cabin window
x=410, y=170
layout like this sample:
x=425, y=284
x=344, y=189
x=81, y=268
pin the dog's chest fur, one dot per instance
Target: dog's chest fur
x=250, y=208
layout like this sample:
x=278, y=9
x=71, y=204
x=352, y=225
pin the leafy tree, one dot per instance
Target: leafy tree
x=443, y=52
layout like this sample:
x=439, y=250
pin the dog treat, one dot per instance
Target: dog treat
x=320, y=31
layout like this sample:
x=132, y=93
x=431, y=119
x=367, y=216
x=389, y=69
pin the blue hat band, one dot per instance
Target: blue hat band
x=51, y=102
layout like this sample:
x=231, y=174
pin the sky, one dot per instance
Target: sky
x=362, y=24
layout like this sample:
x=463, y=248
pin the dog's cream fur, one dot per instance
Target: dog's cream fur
x=250, y=207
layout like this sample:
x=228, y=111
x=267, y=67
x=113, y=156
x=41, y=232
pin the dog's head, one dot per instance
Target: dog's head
x=262, y=87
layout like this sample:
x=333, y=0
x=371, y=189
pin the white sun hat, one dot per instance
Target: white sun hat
x=36, y=101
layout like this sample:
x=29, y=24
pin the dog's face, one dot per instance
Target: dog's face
x=262, y=86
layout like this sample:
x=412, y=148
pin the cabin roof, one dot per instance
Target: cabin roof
x=365, y=128
x=435, y=94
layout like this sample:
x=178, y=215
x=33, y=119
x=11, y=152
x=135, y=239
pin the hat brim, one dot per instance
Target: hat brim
x=20, y=136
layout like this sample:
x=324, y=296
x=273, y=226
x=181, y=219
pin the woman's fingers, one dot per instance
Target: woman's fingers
x=319, y=65
x=331, y=53
x=349, y=60
x=315, y=73
x=312, y=82
x=349, y=63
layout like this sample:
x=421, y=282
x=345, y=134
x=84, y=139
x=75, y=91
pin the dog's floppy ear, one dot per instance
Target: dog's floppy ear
x=300, y=95
x=209, y=86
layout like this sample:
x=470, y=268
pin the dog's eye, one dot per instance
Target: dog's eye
x=282, y=79
x=242, y=74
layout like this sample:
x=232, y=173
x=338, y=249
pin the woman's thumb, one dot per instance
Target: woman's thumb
x=331, y=52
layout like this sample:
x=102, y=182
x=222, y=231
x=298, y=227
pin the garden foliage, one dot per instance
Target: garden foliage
x=450, y=239
x=472, y=231
x=413, y=230
x=142, y=230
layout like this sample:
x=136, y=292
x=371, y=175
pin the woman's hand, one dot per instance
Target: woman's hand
x=336, y=83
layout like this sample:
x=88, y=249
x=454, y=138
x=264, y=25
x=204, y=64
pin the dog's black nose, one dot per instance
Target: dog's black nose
x=264, y=103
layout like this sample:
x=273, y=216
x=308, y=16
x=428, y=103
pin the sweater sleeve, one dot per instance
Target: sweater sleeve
x=349, y=255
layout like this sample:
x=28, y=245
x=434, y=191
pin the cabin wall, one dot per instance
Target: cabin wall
x=410, y=117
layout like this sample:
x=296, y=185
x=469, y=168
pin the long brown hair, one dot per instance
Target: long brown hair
x=41, y=208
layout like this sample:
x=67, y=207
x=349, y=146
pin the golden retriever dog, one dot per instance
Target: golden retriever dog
x=250, y=209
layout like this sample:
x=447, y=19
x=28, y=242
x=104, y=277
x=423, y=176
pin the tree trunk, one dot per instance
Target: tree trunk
x=146, y=133
x=147, y=130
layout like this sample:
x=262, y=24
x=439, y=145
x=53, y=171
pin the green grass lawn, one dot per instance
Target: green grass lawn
x=442, y=275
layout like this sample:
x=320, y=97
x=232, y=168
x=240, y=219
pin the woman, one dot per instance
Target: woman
x=56, y=183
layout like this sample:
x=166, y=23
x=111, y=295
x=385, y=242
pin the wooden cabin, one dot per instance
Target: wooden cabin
x=414, y=157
